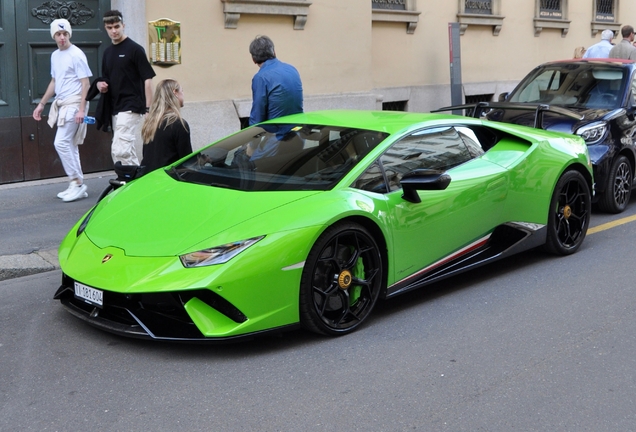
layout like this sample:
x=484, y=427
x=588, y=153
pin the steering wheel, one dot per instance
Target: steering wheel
x=608, y=97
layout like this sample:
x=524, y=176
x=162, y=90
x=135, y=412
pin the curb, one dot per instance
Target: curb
x=38, y=261
x=30, y=183
x=14, y=266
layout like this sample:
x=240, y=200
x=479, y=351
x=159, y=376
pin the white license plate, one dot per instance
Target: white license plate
x=89, y=295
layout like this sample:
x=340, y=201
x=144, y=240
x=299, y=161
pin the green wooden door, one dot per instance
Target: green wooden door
x=26, y=44
x=11, y=166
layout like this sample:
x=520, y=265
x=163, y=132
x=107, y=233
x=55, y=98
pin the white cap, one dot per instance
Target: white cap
x=61, y=25
x=607, y=35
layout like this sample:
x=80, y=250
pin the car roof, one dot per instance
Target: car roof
x=383, y=121
x=605, y=61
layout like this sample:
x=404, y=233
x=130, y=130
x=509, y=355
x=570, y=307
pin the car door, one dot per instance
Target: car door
x=446, y=220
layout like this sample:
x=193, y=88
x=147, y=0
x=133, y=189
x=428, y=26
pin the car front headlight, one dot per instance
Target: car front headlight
x=592, y=133
x=217, y=255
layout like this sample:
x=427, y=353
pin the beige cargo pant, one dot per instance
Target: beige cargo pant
x=127, y=137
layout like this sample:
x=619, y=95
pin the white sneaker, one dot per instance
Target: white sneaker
x=71, y=185
x=76, y=192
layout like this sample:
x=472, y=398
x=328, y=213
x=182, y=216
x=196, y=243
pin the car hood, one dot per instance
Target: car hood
x=551, y=122
x=159, y=216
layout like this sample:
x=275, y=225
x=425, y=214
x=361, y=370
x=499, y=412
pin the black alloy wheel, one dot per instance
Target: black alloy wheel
x=569, y=215
x=341, y=280
x=619, y=187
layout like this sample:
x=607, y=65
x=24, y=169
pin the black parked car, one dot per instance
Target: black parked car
x=593, y=98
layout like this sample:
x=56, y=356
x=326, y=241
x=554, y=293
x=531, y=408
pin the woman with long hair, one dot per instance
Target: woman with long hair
x=165, y=134
x=579, y=51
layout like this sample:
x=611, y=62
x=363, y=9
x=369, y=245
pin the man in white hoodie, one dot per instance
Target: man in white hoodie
x=69, y=82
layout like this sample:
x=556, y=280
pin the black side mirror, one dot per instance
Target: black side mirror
x=503, y=97
x=423, y=179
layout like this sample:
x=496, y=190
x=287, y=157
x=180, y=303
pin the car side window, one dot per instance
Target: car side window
x=535, y=91
x=372, y=179
x=470, y=138
x=439, y=148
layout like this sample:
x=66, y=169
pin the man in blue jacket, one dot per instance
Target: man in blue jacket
x=276, y=88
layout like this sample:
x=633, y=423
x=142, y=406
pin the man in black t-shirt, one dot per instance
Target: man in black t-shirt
x=127, y=82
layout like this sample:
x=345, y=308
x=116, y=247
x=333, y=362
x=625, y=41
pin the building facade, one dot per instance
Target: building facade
x=359, y=54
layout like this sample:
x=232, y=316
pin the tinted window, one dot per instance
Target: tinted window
x=588, y=85
x=280, y=157
x=372, y=180
x=439, y=148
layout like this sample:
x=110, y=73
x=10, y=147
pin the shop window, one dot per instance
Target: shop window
x=551, y=14
x=394, y=106
x=605, y=14
x=298, y=9
x=473, y=99
x=399, y=11
x=480, y=13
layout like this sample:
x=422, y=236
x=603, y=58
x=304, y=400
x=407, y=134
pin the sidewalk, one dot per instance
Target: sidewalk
x=41, y=260
x=13, y=266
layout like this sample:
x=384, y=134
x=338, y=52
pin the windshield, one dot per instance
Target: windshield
x=588, y=85
x=282, y=157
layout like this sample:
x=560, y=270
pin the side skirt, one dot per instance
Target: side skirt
x=507, y=239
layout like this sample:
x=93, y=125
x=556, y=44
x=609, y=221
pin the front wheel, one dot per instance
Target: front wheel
x=569, y=214
x=619, y=187
x=341, y=280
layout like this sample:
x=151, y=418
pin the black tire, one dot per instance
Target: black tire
x=619, y=187
x=341, y=280
x=569, y=214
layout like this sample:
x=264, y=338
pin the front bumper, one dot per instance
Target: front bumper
x=163, y=316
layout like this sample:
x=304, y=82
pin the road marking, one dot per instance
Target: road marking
x=609, y=225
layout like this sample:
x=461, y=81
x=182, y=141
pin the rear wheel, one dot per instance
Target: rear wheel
x=341, y=281
x=619, y=187
x=569, y=214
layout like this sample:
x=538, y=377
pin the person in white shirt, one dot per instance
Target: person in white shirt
x=602, y=48
x=69, y=82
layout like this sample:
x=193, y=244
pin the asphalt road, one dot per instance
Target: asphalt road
x=33, y=218
x=530, y=343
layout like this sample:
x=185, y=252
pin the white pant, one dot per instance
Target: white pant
x=127, y=127
x=66, y=150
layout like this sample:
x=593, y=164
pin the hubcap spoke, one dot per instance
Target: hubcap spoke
x=622, y=184
x=571, y=214
x=344, y=300
x=345, y=283
x=366, y=282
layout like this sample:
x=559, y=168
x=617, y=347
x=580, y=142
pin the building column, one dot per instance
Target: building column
x=134, y=13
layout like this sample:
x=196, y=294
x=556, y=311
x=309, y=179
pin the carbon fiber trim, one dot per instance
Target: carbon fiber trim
x=505, y=240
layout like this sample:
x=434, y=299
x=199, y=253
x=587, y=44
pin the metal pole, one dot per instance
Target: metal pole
x=455, y=66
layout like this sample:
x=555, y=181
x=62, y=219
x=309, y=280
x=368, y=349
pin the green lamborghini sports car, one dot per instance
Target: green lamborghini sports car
x=307, y=220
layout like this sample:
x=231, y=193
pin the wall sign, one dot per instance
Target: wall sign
x=164, y=37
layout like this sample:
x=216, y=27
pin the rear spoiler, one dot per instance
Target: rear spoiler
x=478, y=108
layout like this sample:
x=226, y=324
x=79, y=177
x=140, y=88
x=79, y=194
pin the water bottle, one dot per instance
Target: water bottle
x=89, y=120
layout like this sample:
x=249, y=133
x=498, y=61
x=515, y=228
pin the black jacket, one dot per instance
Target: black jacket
x=104, y=111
